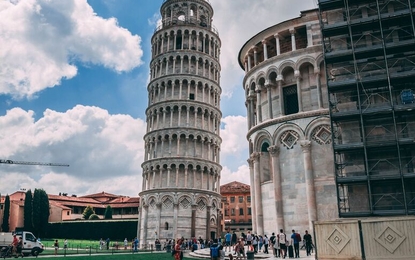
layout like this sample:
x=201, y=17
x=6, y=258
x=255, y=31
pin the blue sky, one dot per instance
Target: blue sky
x=73, y=79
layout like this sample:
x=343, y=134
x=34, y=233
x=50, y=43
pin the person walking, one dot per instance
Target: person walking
x=228, y=239
x=308, y=242
x=282, y=240
x=56, y=246
x=178, y=250
x=266, y=243
x=295, y=241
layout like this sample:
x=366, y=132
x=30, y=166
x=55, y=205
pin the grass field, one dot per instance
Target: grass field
x=141, y=256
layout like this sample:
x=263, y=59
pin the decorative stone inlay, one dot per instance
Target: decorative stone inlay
x=289, y=139
x=390, y=238
x=152, y=203
x=167, y=203
x=322, y=134
x=185, y=203
x=201, y=205
x=338, y=239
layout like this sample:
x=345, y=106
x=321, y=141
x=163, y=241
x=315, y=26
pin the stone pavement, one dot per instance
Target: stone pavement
x=205, y=254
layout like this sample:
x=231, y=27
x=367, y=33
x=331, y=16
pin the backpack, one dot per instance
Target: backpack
x=272, y=239
x=215, y=251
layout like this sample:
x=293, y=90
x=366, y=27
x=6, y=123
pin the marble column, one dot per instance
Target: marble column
x=208, y=222
x=309, y=180
x=277, y=44
x=269, y=88
x=276, y=173
x=264, y=44
x=258, y=193
x=293, y=45
x=318, y=83
x=158, y=217
x=252, y=188
x=258, y=105
x=145, y=220
x=299, y=92
x=193, y=221
x=175, y=216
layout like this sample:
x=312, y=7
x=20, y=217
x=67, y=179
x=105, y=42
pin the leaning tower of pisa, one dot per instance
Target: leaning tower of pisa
x=181, y=169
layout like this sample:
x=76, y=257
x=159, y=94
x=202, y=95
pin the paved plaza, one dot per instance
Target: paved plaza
x=205, y=254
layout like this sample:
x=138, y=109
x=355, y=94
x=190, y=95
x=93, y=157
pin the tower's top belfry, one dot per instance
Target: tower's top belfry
x=181, y=12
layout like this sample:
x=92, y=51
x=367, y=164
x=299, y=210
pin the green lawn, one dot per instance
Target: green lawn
x=141, y=256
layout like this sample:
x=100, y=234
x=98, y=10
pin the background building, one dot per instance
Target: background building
x=181, y=169
x=289, y=133
x=370, y=58
x=68, y=208
x=236, y=207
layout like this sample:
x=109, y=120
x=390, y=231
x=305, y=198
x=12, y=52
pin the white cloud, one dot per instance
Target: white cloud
x=101, y=149
x=240, y=175
x=41, y=40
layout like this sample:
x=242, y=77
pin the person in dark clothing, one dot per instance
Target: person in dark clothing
x=296, y=238
x=308, y=242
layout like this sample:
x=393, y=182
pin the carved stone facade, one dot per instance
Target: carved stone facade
x=291, y=156
x=181, y=169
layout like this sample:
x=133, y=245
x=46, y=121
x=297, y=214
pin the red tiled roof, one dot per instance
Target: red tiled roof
x=235, y=187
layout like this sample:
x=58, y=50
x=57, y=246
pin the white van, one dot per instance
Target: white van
x=31, y=246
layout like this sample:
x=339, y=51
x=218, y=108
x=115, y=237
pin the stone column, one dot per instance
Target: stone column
x=208, y=222
x=309, y=180
x=193, y=221
x=249, y=62
x=276, y=173
x=293, y=45
x=140, y=214
x=318, y=83
x=158, y=219
x=145, y=220
x=252, y=188
x=299, y=93
x=269, y=86
x=258, y=105
x=277, y=43
x=264, y=44
x=175, y=213
x=258, y=194
x=168, y=177
x=255, y=57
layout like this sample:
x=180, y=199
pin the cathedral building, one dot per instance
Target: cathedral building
x=289, y=131
x=181, y=170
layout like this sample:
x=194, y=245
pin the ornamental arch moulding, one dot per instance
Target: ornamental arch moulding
x=259, y=77
x=285, y=132
x=272, y=76
x=284, y=65
x=319, y=130
x=305, y=60
x=261, y=137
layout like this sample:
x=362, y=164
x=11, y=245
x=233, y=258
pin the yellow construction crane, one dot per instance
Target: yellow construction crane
x=32, y=163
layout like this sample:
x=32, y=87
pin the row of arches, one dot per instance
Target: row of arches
x=287, y=89
x=186, y=39
x=185, y=115
x=188, y=145
x=184, y=89
x=185, y=64
x=171, y=175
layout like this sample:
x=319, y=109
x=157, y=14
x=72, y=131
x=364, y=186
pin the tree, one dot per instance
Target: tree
x=40, y=212
x=88, y=211
x=93, y=217
x=108, y=212
x=28, y=211
x=6, y=214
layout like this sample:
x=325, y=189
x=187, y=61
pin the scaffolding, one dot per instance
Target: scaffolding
x=369, y=51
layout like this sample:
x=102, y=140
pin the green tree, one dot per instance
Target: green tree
x=88, y=211
x=108, y=212
x=6, y=214
x=40, y=212
x=93, y=217
x=28, y=211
